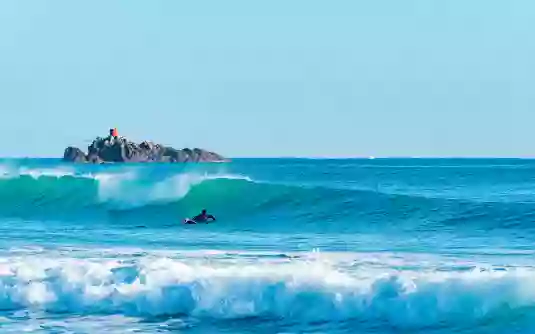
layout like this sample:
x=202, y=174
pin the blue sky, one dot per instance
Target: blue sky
x=271, y=78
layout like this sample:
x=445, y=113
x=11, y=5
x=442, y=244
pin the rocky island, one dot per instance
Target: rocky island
x=114, y=148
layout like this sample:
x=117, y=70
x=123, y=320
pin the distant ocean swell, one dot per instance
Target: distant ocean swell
x=59, y=194
x=305, y=291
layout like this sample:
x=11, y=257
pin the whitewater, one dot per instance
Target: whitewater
x=299, y=245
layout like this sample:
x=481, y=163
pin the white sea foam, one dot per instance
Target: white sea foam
x=11, y=172
x=303, y=290
x=126, y=189
x=57, y=172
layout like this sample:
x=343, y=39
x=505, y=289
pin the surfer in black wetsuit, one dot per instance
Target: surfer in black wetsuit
x=203, y=217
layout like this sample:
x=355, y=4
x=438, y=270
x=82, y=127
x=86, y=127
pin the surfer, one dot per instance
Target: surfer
x=203, y=217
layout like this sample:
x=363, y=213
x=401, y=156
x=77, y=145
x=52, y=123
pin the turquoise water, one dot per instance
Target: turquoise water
x=338, y=246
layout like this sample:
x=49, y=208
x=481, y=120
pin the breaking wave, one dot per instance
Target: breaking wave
x=149, y=287
x=133, y=196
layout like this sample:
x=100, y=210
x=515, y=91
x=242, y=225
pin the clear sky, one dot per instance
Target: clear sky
x=271, y=78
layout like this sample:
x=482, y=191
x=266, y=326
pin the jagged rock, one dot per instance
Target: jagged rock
x=74, y=154
x=119, y=149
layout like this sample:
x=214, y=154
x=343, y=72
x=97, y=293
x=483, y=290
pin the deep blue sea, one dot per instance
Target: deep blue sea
x=299, y=246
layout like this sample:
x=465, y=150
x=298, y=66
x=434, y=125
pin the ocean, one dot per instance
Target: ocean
x=299, y=246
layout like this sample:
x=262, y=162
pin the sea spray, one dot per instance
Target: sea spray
x=302, y=290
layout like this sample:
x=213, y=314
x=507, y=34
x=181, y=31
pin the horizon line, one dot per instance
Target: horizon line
x=324, y=157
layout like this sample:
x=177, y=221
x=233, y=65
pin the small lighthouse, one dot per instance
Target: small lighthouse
x=114, y=133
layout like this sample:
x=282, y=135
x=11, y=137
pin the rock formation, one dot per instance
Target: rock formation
x=119, y=149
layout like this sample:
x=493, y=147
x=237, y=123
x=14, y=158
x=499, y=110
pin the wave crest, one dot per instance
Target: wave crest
x=298, y=290
x=137, y=196
x=129, y=190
